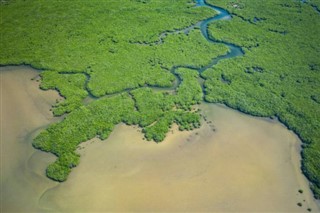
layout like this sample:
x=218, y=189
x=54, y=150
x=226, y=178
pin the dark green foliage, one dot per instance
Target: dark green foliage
x=70, y=86
x=278, y=75
x=158, y=110
x=60, y=169
x=151, y=105
x=151, y=63
x=189, y=92
x=119, y=45
x=106, y=47
x=187, y=121
x=158, y=130
x=114, y=42
x=155, y=112
x=96, y=119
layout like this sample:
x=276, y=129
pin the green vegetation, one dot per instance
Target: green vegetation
x=108, y=47
x=153, y=111
x=70, y=86
x=112, y=41
x=189, y=92
x=279, y=75
x=156, y=108
x=96, y=119
x=122, y=47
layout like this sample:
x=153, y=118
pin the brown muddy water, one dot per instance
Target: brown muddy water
x=233, y=163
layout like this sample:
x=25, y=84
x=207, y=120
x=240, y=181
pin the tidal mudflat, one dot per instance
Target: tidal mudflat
x=24, y=110
x=234, y=162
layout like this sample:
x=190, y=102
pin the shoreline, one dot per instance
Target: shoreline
x=25, y=109
x=273, y=119
x=124, y=164
x=185, y=144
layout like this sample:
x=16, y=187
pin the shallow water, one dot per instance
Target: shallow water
x=234, y=162
x=24, y=109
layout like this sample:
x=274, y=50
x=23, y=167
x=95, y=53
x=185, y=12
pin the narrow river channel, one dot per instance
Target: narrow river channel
x=233, y=163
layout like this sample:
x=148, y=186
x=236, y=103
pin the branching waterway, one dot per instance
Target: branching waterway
x=234, y=162
x=234, y=50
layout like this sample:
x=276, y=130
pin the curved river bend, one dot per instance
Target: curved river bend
x=233, y=163
x=234, y=51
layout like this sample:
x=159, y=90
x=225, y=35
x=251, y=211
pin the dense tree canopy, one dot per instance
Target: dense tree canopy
x=119, y=51
x=279, y=75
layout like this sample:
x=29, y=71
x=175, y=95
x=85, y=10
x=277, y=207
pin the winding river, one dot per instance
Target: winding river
x=234, y=50
x=233, y=163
